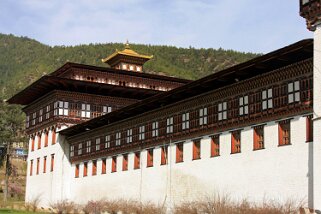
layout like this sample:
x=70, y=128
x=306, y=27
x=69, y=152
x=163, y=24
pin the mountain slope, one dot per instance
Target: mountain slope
x=23, y=60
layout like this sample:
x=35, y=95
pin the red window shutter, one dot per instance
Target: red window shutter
x=85, y=169
x=150, y=158
x=196, y=150
x=232, y=143
x=137, y=160
x=33, y=143
x=280, y=135
x=77, y=171
x=215, y=146
x=309, y=129
x=103, y=167
x=52, y=162
x=45, y=164
x=39, y=141
x=164, y=155
x=125, y=162
x=38, y=162
x=255, y=139
x=46, y=139
x=53, y=136
x=31, y=167
x=114, y=164
x=94, y=167
x=179, y=153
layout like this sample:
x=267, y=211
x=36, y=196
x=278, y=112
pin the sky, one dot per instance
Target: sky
x=258, y=26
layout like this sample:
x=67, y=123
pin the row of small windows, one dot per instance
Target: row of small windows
x=258, y=144
x=46, y=140
x=121, y=83
x=283, y=133
x=52, y=162
x=64, y=108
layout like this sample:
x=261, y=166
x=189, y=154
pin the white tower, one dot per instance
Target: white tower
x=311, y=11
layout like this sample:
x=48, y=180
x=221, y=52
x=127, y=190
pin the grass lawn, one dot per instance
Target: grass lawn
x=3, y=211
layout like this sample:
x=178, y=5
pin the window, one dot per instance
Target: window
x=155, y=129
x=150, y=154
x=222, y=111
x=129, y=135
x=39, y=141
x=52, y=162
x=97, y=144
x=169, y=125
x=85, y=169
x=31, y=167
x=125, y=162
x=107, y=141
x=106, y=109
x=142, y=133
x=284, y=133
x=118, y=139
x=38, y=163
x=46, y=138
x=236, y=142
x=196, y=150
x=40, y=115
x=243, y=105
x=309, y=129
x=33, y=143
x=258, y=138
x=61, y=108
x=103, y=166
x=44, y=164
x=215, y=146
x=88, y=146
x=179, y=152
x=80, y=149
x=267, y=101
x=185, y=121
x=47, y=112
x=114, y=164
x=72, y=151
x=203, y=116
x=164, y=155
x=53, y=136
x=294, y=92
x=27, y=121
x=77, y=171
x=94, y=167
x=137, y=160
x=85, y=110
x=33, y=121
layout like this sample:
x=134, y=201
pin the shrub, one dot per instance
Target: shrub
x=63, y=207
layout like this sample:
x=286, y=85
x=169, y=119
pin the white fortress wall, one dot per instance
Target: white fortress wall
x=276, y=172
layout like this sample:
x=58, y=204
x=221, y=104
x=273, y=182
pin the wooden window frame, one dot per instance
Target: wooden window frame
x=244, y=105
x=141, y=135
x=125, y=162
x=114, y=164
x=294, y=92
x=44, y=164
x=77, y=171
x=39, y=141
x=107, y=141
x=258, y=138
x=38, y=166
x=203, y=116
x=179, y=152
x=150, y=157
x=267, y=99
x=103, y=166
x=52, y=163
x=185, y=121
x=53, y=134
x=46, y=138
x=215, y=146
x=197, y=149
x=118, y=139
x=309, y=128
x=31, y=167
x=33, y=143
x=164, y=155
x=155, y=129
x=97, y=143
x=129, y=135
x=137, y=160
x=284, y=133
x=222, y=111
x=236, y=142
x=94, y=168
x=170, y=125
x=85, y=172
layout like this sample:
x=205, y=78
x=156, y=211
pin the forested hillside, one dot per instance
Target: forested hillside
x=23, y=60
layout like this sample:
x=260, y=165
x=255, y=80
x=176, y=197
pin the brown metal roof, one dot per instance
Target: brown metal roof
x=49, y=83
x=70, y=65
x=285, y=56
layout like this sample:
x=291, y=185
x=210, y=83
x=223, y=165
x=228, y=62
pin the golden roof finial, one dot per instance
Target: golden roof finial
x=127, y=45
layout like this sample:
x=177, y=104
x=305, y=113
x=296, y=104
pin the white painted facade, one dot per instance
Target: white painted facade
x=277, y=172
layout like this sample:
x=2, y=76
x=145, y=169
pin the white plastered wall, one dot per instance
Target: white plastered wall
x=277, y=172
